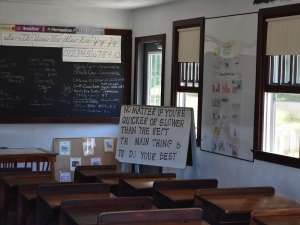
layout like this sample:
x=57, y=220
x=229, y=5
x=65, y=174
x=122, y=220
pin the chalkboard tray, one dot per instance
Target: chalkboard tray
x=36, y=86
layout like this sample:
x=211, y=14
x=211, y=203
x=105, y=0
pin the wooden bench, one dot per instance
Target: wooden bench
x=110, y=178
x=86, y=211
x=49, y=198
x=87, y=174
x=140, y=184
x=275, y=217
x=235, y=205
x=192, y=216
x=179, y=193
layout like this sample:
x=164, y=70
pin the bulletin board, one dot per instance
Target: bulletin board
x=229, y=85
x=83, y=152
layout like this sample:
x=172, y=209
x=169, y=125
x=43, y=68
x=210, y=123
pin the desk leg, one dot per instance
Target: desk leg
x=52, y=169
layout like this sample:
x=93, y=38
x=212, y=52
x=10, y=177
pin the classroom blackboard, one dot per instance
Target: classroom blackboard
x=37, y=86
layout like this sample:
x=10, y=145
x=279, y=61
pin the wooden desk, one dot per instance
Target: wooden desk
x=234, y=205
x=276, y=217
x=27, y=195
x=50, y=197
x=177, y=198
x=190, y=216
x=110, y=178
x=87, y=174
x=179, y=193
x=21, y=154
x=86, y=211
x=11, y=182
x=139, y=186
x=136, y=184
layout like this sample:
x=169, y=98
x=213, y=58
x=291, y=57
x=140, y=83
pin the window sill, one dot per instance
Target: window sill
x=275, y=158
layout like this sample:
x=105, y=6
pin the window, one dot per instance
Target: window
x=149, y=70
x=154, y=78
x=187, y=66
x=277, y=117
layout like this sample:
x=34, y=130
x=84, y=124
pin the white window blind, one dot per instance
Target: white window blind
x=189, y=44
x=283, y=36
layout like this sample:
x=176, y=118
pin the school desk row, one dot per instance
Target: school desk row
x=43, y=200
x=231, y=206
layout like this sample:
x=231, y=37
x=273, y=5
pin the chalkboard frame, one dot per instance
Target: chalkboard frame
x=113, y=120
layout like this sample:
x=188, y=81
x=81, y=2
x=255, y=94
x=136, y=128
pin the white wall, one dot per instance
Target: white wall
x=148, y=21
x=230, y=172
x=41, y=135
x=16, y=13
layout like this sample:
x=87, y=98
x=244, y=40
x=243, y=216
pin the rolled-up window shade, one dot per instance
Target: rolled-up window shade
x=189, y=44
x=283, y=36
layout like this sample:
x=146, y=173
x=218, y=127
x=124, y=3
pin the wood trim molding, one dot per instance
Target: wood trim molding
x=277, y=159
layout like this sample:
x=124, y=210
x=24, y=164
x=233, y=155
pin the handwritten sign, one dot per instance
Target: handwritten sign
x=77, y=41
x=107, y=55
x=17, y=38
x=77, y=55
x=107, y=41
x=47, y=40
x=153, y=135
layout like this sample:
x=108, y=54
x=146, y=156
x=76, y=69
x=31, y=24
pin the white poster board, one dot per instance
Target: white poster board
x=229, y=85
x=154, y=135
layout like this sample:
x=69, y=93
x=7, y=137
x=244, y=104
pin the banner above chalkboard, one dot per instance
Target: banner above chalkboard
x=154, y=135
x=87, y=44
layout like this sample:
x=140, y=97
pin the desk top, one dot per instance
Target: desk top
x=145, y=183
x=178, y=194
x=95, y=172
x=246, y=203
x=16, y=181
x=18, y=151
x=190, y=222
x=54, y=201
x=110, y=180
x=29, y=194
x=278, y=220
x=89, y=215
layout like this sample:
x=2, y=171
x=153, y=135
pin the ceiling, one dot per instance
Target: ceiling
x=115, y=4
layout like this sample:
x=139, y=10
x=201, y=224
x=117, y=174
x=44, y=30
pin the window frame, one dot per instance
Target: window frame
x=175, y=78
x=142, y=40
x=149, y=75
x=262, y=85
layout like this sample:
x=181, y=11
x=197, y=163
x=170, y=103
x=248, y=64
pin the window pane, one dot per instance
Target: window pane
x=275, y=70
x=282, y=124
x=287, y=68
x=189, y=100
x=297, y=66
x=154, y=79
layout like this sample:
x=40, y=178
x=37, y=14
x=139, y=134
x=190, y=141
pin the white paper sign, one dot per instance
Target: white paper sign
x=47, y=39
x=77, y=41
x=77, y=55
x=107, y=42
x=107, y=55
x=154, y=135
x=17, y=38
